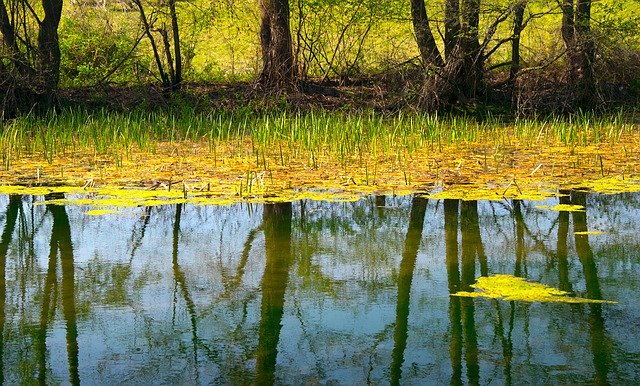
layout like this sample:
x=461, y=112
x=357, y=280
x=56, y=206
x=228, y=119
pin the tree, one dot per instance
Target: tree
x=30, y=69
x=458, y=73
x=275, y=40
x=578, y=40
x=169, y=68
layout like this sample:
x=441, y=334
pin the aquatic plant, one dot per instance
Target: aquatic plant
x=512, y=288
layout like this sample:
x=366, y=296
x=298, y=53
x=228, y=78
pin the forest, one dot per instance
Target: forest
x=517, y=57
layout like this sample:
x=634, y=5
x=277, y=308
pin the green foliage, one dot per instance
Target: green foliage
x=92, y=47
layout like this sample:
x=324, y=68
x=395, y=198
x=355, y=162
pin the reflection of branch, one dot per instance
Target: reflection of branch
x=507, y=342
x=136, y=243
x=179, y=277
x=233, y=283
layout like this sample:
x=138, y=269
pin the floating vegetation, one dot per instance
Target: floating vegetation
x=613, y=185
x=100, y=212
x=223, y=158
x=562, y=207
x=512, y=288
x=493, y=194
x=589, y=233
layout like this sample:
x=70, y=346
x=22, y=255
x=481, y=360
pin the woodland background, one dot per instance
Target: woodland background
x=523, y=56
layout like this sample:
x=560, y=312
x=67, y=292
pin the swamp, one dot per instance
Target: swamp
x=319, y=192
x=312, y=292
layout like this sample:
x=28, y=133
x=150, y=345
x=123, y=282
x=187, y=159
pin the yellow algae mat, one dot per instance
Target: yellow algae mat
x=512, y=288
x=236, y=171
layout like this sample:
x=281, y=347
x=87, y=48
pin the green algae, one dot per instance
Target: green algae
x=512, y=288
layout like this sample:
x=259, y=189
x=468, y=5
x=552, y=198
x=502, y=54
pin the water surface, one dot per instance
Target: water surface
x=317, y=293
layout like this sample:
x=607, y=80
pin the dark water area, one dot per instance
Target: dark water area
x=317, y=293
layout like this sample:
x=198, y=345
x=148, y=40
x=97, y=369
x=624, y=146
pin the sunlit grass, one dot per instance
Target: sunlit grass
x=251, y=154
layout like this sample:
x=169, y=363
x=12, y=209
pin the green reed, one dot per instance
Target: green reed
x=347, y=136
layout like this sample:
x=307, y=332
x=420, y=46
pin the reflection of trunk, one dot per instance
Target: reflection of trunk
x=11, y=216
x=599, y=343
x=471, y=244
x=181, y=282
x=381, y=201
x=409, y=254
x=60, y=243
x=521, y=266
x=276, y=223
x=453, y=276
x=561, y=253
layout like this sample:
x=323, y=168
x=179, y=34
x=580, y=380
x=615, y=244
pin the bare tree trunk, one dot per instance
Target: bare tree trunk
x=518, y=26
x=426, y=43
x=472, y=73
x=451, y=26
x=576, y=33
x=49, y=51
x=275, y=39
x=176, y=82
x=31, y=75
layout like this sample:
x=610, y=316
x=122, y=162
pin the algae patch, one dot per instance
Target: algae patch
x=100, y=212
x=512, y=288
x=562, y=207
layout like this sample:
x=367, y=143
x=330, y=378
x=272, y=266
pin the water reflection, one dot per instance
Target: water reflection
x=312, y=292
x=11, y=216
x=405, y=276
x=276, y=224
x=60, y=247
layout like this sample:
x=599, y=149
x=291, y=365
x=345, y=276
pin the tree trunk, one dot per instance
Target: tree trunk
x=275, y=39
x=31, y=74
x=426, y=43
x=518, y=26
x=176, y=81
x=472, y=73
x=49, y=52
x=576, y=33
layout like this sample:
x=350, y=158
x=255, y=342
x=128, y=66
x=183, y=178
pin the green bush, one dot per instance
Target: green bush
x=91, y=49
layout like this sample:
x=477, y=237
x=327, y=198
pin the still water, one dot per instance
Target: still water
x=317, y=293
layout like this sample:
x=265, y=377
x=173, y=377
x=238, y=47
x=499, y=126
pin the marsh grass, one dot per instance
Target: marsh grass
x=346, y=136
x=372, y=143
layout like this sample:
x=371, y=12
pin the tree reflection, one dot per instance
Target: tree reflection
x=180, y=280
x=451, y=209
x=276, y=224
x=407, y=265
x=60, y=245
x=11, y=216
x=521, y=262
x=461, y=275
x=599, y=342
x=561, y=250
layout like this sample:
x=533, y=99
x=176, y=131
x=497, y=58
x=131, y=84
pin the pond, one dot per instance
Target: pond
x=313, y=292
